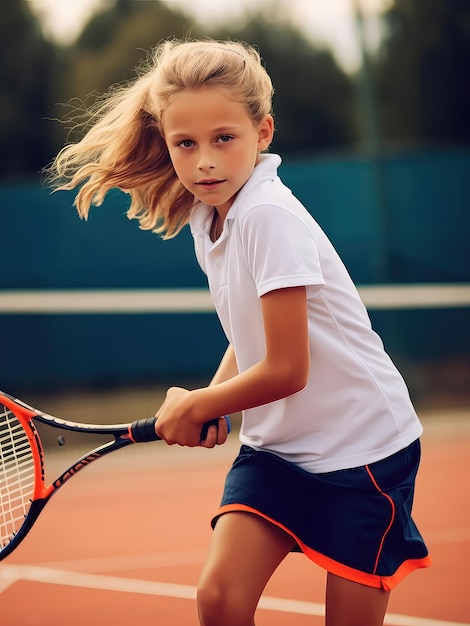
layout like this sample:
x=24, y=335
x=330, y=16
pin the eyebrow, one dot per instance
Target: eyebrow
x=215, y=131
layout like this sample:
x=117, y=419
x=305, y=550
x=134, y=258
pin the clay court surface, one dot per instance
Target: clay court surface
x=123, y=542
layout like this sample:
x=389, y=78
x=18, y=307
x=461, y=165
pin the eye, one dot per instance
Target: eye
x=186, y=143
x=224, y=138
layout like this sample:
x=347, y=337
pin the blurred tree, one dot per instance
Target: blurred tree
x=27, y=78
x=422, y=72
x=313, y=101
x=116, y=40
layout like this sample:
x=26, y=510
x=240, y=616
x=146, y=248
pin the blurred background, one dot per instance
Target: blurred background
x=372, y=110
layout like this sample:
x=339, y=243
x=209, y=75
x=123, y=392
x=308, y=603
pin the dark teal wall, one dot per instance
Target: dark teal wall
x=419, y=234
x=426, y=219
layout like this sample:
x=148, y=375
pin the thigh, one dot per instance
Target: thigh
x=245, y=550
x=351, y=604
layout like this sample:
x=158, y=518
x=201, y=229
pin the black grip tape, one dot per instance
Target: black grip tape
x=144, y=430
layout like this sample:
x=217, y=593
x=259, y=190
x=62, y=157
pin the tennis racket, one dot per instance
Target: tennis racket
x=23, y=489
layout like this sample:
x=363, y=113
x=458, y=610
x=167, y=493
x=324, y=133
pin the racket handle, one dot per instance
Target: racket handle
x=144, y=430
x=214, y=422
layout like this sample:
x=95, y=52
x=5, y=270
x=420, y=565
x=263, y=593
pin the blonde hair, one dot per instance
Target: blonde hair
x=124, y=147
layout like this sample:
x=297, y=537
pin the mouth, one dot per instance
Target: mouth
x=209, y=183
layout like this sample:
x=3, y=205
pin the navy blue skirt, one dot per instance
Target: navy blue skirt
x=356, y=523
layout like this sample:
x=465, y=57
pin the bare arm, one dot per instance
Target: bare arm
x=282, y=372
x=227, y=368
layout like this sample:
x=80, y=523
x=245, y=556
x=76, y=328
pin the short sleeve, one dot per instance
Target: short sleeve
x=280, y=248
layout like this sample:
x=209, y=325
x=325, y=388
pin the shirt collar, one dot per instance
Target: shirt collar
x=202, y=214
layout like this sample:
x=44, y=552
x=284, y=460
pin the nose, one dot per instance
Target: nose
x=206, y=159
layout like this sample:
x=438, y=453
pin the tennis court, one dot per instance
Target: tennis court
x=124, y=542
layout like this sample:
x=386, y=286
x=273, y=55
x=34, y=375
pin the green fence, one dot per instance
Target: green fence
x=405, y=219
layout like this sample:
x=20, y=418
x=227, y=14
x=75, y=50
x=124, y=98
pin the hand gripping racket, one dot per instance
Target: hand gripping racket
x=23, y=489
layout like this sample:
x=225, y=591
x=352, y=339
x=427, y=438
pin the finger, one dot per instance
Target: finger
x=217, y=435
x=160, y=430
x=211, y=439
x=222, y=430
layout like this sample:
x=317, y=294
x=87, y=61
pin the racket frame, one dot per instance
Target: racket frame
x=42, y=492
x=139, y=431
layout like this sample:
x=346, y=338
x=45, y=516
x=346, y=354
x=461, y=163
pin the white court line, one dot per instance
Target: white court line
x=9, y=574
x=139, y=562
x=155, y=560
x=123, y=301
x=7, y=581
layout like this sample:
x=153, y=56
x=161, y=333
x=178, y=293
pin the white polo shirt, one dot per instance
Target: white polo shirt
x=355, y=408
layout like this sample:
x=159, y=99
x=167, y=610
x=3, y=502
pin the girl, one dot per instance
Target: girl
x=330, y=439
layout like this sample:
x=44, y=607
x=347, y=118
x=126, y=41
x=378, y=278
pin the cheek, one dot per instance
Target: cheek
x=176, y=162
x=172, y=154
x=182, y=171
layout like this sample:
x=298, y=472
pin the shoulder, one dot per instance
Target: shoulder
x=273, y=204
x=263, y=186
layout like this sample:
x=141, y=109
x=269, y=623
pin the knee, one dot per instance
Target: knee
x=218, y=605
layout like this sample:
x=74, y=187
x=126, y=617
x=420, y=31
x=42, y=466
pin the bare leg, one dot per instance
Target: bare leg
x=352, y=604
x=244, y=552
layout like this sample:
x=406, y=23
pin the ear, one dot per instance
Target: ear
x=265, y=132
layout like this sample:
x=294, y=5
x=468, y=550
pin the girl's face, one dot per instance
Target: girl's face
x=213, y=143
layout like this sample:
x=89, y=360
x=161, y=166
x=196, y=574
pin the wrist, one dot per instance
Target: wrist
x=199, y=406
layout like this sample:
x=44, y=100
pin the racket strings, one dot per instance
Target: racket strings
x=16, y=475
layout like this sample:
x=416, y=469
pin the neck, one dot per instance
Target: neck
x=215, y=230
